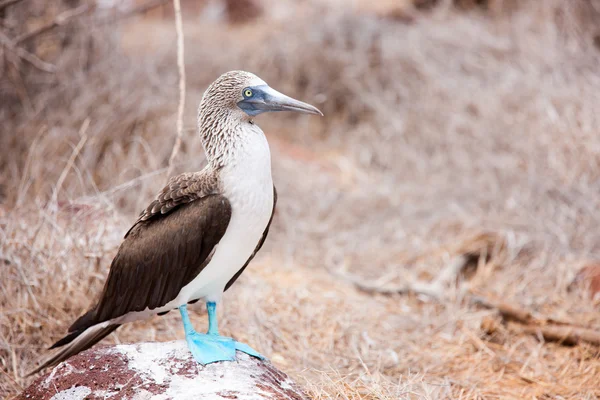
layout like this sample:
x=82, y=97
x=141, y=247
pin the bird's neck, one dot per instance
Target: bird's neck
x=226, y=137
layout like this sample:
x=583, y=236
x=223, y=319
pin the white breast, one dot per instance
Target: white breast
x=248, y=185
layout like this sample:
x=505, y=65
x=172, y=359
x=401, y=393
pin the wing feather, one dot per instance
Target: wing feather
x=180, y=189
x=158, y=257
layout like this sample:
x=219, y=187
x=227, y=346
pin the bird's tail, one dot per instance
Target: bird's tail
x=76, y=342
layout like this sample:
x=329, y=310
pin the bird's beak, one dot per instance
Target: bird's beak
x=266, y=99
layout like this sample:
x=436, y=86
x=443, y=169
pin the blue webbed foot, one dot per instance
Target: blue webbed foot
x=244, y=348
x=207, y=348
x=211, y=347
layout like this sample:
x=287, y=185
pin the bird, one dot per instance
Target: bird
x=199, y=234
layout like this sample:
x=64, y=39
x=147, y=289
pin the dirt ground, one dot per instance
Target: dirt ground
x=449, y=134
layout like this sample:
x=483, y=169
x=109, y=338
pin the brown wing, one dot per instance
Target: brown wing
x=258, y=246
x=158, y=257
x=180, y=189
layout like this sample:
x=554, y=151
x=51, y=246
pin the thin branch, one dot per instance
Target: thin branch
x=61, y=19
x=24, y=183
x=564, y=332
x=35, y=60
x=416, y=287
x=181, y=66
x=31, y=58
x=17, y=79
x=435, y=289
x=124, y=186
x=568, y=335
x=508, y=312
x=6, y=3
x=71, y=161
x=134, y=11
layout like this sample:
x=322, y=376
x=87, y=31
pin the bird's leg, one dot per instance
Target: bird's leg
x=213, y=329
x=211, y=347
x=187, y=324
x=207, y=348
x=213, y=324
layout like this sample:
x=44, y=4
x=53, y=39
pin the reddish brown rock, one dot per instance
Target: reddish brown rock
x=242, y=11
x=588, y=277
x=160, y=371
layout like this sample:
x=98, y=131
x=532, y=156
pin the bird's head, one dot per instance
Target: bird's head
x=244, y=95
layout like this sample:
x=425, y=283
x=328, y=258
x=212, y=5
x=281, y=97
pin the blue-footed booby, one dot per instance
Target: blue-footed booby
x=201, y=231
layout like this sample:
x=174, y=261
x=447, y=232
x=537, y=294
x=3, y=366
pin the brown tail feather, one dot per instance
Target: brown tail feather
x=85, y=321
x=67, y=339
x=76, y=342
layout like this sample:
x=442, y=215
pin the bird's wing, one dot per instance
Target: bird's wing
x=258, y=246
x=161, y=254
x=180, y=189
x=168, y=246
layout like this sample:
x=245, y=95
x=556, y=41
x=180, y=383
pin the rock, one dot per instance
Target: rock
x=241, y=11
x=588, y=277
x=160, y=371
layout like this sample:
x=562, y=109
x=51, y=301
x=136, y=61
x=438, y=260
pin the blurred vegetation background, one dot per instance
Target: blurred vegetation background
x=455, y=131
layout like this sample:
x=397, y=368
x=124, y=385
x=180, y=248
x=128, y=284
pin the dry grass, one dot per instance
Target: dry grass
x=435, y=132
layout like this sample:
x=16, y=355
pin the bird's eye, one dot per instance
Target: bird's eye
x=247, y=93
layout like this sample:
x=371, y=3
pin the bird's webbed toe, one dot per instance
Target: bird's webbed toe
x=208, y=349
x=244, y=348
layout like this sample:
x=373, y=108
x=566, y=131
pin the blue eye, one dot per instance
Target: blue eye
x=247, y=93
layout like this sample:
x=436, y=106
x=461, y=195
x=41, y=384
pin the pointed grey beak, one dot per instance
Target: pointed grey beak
x=266, y=99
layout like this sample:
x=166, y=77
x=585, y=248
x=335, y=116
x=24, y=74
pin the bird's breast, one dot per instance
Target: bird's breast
x=247, y=183
x=246, y=178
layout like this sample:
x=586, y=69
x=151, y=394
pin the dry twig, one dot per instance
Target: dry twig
x=568, y=335
x=137, y=10
x=550, y=329
x=20, y=52
x=60, y=20
x=435, y=289
x=416, y=287
x=508, y=312
x=181, y=67
x=6, y=3
x=16, y=78
x=71, y=161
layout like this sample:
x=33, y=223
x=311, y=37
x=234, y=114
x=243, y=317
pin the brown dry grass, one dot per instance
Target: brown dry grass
x=435, y=132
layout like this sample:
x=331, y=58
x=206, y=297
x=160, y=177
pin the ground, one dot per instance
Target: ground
x=441, y=131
